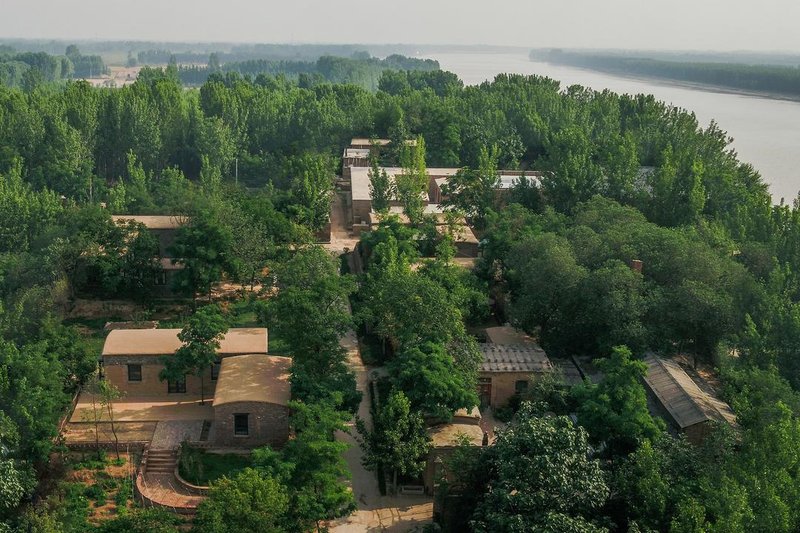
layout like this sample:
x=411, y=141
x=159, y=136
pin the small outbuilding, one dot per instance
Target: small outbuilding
x=445, y=437
x=251, y=401
x=507, y=369
x=683, y=404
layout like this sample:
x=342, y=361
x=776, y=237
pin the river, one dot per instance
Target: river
x=766, y=131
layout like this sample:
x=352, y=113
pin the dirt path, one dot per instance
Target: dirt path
x=375, y=512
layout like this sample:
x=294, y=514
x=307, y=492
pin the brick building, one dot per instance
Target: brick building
x=251, y=401
x=445, y=437
x=163, y=227
x=131, y=360
x=681, y=402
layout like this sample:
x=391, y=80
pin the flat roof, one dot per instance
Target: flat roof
x=444, y=435
x=513, y=358
x=156, y=342
x=508, y=335
x=367, y=141
x=683, y=399
x=254, y=378
x=359, y=178
x=356, y=153
x=153, y=221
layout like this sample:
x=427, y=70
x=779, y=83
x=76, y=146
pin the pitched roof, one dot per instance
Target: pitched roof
x=153, y=221
x=686, y=403
x=165, y=341
x=513, y=358
x=254, y=378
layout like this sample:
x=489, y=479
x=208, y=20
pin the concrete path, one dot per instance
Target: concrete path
x=375, y=512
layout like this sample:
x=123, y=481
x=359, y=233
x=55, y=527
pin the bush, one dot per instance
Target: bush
x=96, y=493
x=124, y=494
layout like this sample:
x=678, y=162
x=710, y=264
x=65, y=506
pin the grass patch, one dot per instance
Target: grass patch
x=201, y=468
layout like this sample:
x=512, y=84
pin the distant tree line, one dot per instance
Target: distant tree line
x=362, y=71
x=784, y=80
x=26, y=69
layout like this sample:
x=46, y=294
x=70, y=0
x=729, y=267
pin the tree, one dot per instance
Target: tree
x=542, y=273
x=202, y=247
x=109, y=394
x=250, y=501
x=475, y=192
x=312, y=179
x=381, y=188
x=615, y=410
x=200, y=337
x=398, y=440
x=412, y=183
x=318, y=469
x=542, y=477
x=431, y=380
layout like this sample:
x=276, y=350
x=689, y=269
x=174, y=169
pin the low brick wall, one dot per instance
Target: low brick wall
x=198, y=490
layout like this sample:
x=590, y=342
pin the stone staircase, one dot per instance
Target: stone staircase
x=161, y=461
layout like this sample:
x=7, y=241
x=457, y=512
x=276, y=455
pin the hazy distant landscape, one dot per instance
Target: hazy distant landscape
x=267, y=284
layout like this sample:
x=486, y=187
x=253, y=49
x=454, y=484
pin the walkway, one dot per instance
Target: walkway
x=375, y=512
x=341, y=237
x=169, y=434
x=163, y=490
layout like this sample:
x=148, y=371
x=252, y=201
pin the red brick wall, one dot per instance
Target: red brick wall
x=268, y=424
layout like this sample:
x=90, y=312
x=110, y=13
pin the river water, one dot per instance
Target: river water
x=766, y=131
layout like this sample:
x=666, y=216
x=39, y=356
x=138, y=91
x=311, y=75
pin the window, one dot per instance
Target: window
x=176, y=387
x=134, y=372
x=215, y=370
x=241, y=427
x=160, y=279
x=521, y=386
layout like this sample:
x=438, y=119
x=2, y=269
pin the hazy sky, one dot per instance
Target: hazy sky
x=674, y=24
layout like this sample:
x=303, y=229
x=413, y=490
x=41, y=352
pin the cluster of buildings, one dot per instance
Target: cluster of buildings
x=361, y=215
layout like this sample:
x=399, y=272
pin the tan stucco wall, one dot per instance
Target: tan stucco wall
x=115, y=369
x=268, y=424
x=503, y=385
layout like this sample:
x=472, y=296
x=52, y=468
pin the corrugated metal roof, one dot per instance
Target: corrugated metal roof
x=686, y=403
x=514, y=358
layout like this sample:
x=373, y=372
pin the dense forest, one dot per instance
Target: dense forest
x=251, y=160
x=781, y=80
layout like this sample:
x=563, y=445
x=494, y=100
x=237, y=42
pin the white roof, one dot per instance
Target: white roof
x=356, y=153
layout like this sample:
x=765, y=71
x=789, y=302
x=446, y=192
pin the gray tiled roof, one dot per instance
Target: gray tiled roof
x=514, y=358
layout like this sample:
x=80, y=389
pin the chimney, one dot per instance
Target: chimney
x=636, y=265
